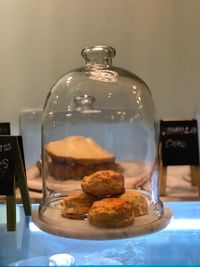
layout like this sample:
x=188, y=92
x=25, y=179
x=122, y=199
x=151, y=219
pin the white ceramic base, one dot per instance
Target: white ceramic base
x=82, y=229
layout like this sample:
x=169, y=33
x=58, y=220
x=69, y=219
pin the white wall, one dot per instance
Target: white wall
x=40, y=40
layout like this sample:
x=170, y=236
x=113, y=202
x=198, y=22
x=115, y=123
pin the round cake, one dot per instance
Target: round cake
x=111, y=213
x=76, y=156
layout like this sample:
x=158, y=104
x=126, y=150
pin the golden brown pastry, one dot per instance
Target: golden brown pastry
x=111, y=213
x=76, y=205
x=137, y=200
x=77, y=156
x=103, y=184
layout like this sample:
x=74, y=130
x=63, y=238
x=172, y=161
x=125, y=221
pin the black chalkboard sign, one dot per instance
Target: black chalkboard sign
x=4, y=128
x=179, y=142
x=7, y=164
x=12, y=170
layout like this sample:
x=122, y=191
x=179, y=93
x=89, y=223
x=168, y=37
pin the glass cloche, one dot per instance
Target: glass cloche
x=98, y=118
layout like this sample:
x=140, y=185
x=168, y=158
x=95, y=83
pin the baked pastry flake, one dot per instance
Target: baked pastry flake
x=76, y=205
x=138, y=202
x=103, y=184
x=111, y=213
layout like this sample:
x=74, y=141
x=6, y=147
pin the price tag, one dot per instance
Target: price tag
x=179, y=142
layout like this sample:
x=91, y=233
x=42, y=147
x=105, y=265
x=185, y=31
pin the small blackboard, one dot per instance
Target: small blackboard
x=179, y=142
x=7, y=164
x=4, y=128
x=12, y=174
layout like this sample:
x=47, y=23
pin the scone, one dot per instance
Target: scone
x=103, y=184
x=76, y=156
x=111, y=213
x=138, y=202
x=76, y=205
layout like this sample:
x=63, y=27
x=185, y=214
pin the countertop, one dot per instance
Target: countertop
x=178, y=243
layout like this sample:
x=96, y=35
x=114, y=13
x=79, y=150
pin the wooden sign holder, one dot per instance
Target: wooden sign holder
x=163, y=173
x=21, y=182
x=195, y=176
x=188, y=136
x=194, y=172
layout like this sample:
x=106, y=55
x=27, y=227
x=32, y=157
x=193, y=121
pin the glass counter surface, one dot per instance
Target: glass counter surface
x=178, y=243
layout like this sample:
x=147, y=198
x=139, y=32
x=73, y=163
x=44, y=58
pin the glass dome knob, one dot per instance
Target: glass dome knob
x=98, y=54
